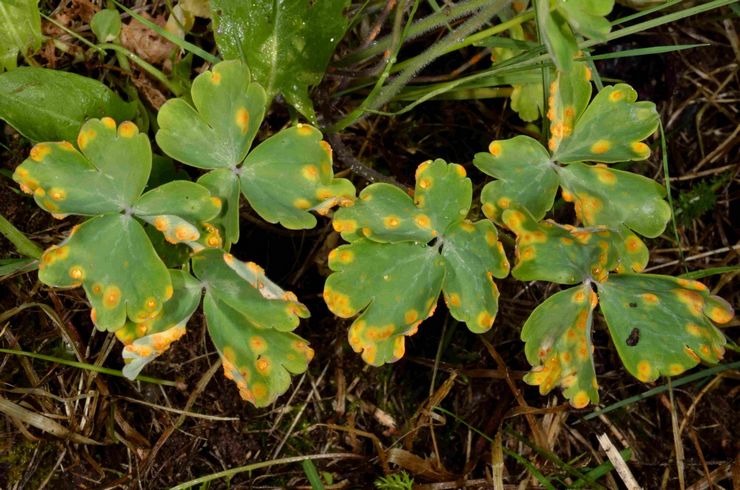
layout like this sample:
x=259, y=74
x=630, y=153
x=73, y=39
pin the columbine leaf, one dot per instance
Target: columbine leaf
x=20, y=30
x=525, y=177
x=52, y=105
x=565, y=255
x=587, y=17
x=569, y=95
x=219, y=130
x=224, y=184
x=148, y=339
x=250, y=320
x=662, y=325
x=177, y=209
x=632, y=253
x=556, y=34
x=287, y=44
x=527, y=101
x=611, y=129
x=112, y=258
x=473, y=257
x=290, y=174
x=394, y=286
x=443, y=193
x=109, y=174
x=557, y=338
x=604, y=196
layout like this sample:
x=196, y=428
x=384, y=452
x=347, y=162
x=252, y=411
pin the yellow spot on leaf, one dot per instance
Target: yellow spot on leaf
x=694, y=329
x=719, y=314
x=76, y=272
x=57, y=194
x=579, y=296
x=675, y=369
x=411, y=316
x=302, y=203
x=344, y=225
x=467, y=226
x=304, y=129
x=605, y=175
x=644, y=370
x=489, y=210
x=454, y=300
x=691, y=299
x=495, y=148
x=111, y=296
x=108, y=122
x=485, y=320
x=580, y=400
x=39, y=152
x=691, y=284
x=346, y=256
x=391, y=221
x=310, y=172
x=399, y=347
x=650, y=298
x=263, y=366
x=84, y=138
x=127, y=129
x=425, y=183
x=422, y=221
x=601, y=146
x=215, y=78
x=459, y=170
x=641, y=149
x=616, y=96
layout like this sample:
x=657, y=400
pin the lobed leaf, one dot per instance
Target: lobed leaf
x=218, y=129
x=570, y=93
x=473, y=257
x=224, y=184
x=65, y=181
x=662, y=325
x=603, y=196
x=290, y=174
x=557, y=337
x=556, y=35
x=20, y=30
x=393, y=287
x=550, y=252
x=250, y=320
x=611, y=129
x=286, y=44
x=526, y=177
x=587, y=17
x=113, y=259
x=145, y=341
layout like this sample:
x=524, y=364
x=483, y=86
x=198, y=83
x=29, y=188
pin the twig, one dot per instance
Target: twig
x=616, y=459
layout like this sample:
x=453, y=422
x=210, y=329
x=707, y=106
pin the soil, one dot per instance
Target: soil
x=380, y=420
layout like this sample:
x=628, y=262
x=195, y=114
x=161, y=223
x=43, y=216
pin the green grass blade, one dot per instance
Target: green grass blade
x=13, y=265
x=312, y=474
x=601, y=470
x=667, y=177
x=710, y=272
x=23, y=245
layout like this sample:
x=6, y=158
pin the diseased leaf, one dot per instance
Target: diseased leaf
x=473, y=257
x=393, y=286
x=570, y=93
x=603, y=196
x=547, y=251
x=112, y=258
x=286, y=44
x=145, y=341
x=527, y=101
x=632, y=253
x=250, y=320
x=94, y=181
x=52, y=105
x=20, y=30
x=291, y=174
x=224, y=184
x=557, y=337
x=525, y=177
x=556, y=34
x=662, y=325
x=611, y=129
x=219, y=129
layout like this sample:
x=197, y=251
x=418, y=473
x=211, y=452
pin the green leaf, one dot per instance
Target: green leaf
x=557, y=337
x=112, y=258
x=587, y=17
x=106, y=24
x=662, y=325
x=286, y=44
x=385, y=214
x=394, y=287
x=224, y=184
x=603, y=196
x=473, y=257
x=20, y=30
x=632, y=253
x=527, y=101
x=443, y=193
x=12, y=265
x=65, y=181
x=250, y=320
x=177, y=209
x=556, y=34
x=570, y=93
x=147, y=340
x=611, y=129
x=525, y=177
x=52, y=105
x=290, y=174
x=547, y=251
x=218, y=131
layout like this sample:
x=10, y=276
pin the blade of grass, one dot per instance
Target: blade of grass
x=23, y=245
x=602, y=469
x=89, y=367
x=667, y=176
x=661, y=389
x=710, y=272
x=179, y=42
x=11, y=266
x=262, y=464
x=312, y=474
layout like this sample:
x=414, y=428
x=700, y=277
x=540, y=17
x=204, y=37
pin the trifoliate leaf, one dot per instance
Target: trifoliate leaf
x=112, y=258
x=611, y=129
x=250, y=320
x=218, y=131
x=603, y=196
x=287, y=44
x=547, y=251
x=146, y=340
x=473, y=257
x=662, y=325
x=394, y=287
x=290, y=174
x=557, y=338
x=224, y=184
x=526, y=177
x=392, y=275
x=108, y=175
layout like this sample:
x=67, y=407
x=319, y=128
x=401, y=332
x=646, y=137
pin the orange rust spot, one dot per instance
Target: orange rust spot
x=76, y=272
x=691, y=284
x=39, y=152
x=108, y=122
x=57, y=194
x=215, y=78
x=605, y=175
x=127, y=129
x=263, y=366
x=454, y=300
x=601, y=146
x=644, y=370
x=391, y=221
x=641, y=149
x=616, y=96
x=719, y=314
x=579, y=296
x=489, y=210
x=422, y=221
x=675, y=369
x=459, y=170
x=485, y=320
x=411, y=316
x=425, y=183
x=302, y=203
x=241, y=118
x=111, y=296
x=495, y=148
x=650, y=298
x=504, y=202
x=304, y=129
x=344, y=225
x=691, y=299
x=694, y=329
x=310, y=172
x=580, y=400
